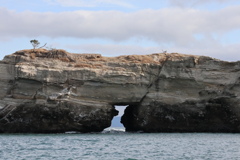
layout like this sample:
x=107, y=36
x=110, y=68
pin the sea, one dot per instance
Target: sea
x=116, y=144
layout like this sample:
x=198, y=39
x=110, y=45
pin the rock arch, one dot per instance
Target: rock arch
x=165, y=92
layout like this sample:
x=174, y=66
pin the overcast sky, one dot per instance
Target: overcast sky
x=120, y=27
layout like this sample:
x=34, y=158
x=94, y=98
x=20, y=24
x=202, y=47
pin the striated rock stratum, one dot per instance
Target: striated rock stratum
x=53, y=91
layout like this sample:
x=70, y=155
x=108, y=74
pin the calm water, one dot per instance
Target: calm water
x=114, y=145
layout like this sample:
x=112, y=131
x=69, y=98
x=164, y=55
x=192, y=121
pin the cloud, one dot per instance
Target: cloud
x=174, y=25
x=197, y=2
x=88, y=3
x=123, y=3
x=188, y=31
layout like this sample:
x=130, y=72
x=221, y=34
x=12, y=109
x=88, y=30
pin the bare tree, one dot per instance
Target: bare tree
x=164, y=51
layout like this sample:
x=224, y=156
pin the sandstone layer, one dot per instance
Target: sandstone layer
x=51, y=91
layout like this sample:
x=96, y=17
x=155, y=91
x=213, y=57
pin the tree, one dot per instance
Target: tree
x=34, y=43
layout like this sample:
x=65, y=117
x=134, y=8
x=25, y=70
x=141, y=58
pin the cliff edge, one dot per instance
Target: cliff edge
x=52, y=91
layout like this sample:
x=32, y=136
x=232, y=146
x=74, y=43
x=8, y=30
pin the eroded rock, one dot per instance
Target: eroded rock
x=50, y=91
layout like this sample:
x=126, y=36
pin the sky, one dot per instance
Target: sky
x=123, y=27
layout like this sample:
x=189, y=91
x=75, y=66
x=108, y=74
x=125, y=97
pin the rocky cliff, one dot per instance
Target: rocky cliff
x=50, y=91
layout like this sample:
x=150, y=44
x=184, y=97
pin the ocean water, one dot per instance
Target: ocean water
x=115, y=144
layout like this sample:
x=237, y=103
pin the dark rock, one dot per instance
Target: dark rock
x=52, y=91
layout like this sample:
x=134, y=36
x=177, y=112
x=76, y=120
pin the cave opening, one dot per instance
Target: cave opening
x=116, y=121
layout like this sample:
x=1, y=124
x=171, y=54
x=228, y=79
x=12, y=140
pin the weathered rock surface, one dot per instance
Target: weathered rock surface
x=49, y=91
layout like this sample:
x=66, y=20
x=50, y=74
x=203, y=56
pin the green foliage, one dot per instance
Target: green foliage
x=34, y=43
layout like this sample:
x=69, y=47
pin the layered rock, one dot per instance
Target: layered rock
x=190, y=94
x=48, y=91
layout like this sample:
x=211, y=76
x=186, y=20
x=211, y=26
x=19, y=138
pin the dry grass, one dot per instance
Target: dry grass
x=136, y=59
x=60, y=54
x=95, y=60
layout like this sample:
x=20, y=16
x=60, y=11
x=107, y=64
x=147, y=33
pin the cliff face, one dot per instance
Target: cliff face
x=47, y=91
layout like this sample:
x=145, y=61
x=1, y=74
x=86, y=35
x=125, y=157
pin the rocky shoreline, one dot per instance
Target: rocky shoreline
x=53, y=91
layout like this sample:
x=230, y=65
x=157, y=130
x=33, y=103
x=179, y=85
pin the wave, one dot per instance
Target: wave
x=105, y=131
x=72, y=132
x=114, y=130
